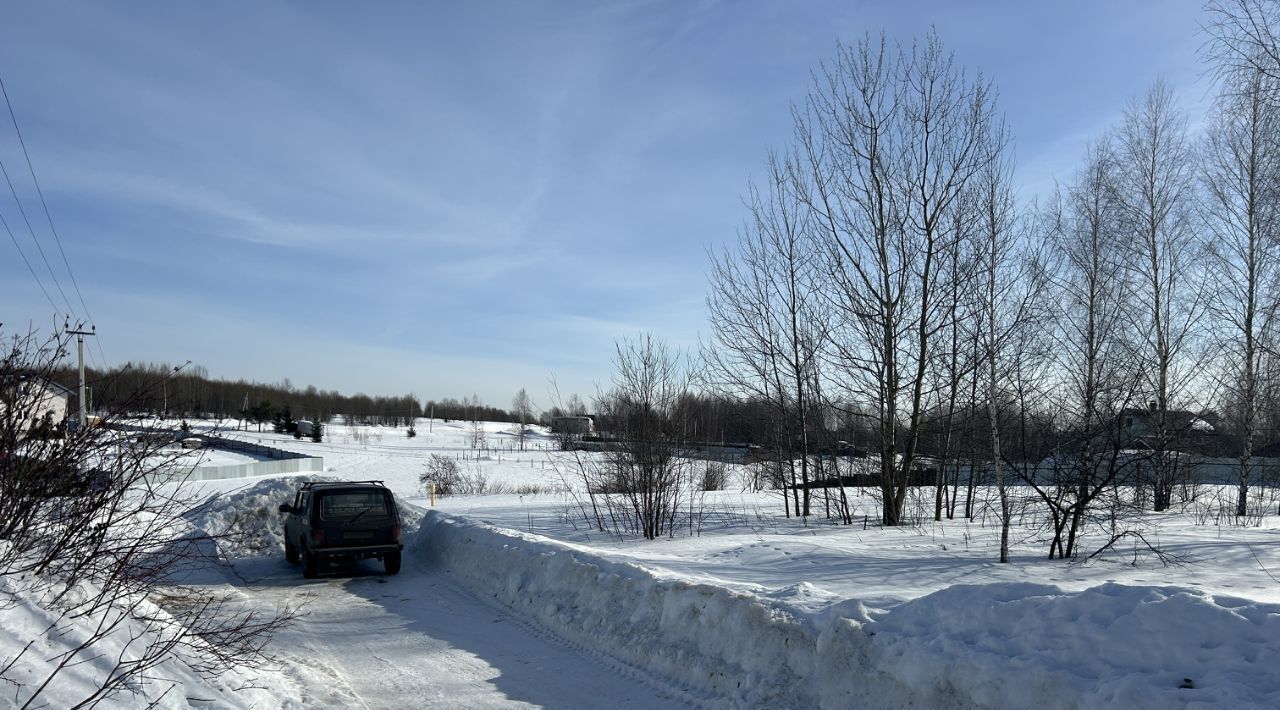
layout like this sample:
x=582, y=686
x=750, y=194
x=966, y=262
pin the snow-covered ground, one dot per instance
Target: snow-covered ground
x=746, y=544
x=515, y=600
x=55, y=634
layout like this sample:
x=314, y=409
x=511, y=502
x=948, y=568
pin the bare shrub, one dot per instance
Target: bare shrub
x=715, y=476
x=641, y=474
x=451, y=479
x=443, y=472
x=525, y=489
x=473, y=483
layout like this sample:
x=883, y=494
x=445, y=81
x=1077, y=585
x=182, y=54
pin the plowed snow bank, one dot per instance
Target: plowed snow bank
x=997, y=645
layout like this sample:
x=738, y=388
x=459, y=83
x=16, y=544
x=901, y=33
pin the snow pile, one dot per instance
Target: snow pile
x=247, y=522
x=1025, y=645
x=996, y=645
x=55, y=636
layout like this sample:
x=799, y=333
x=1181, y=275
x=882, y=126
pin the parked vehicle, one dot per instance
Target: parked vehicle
x=333, y=521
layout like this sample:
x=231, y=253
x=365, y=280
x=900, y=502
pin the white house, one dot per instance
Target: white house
x=39, y=400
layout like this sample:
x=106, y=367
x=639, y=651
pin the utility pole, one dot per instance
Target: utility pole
x=84, y=416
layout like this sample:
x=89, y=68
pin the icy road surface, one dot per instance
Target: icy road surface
x=418, y=640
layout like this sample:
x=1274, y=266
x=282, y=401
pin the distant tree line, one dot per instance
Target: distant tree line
x=469, y=409
x=187, y=391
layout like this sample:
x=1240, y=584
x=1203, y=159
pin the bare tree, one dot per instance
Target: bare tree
x=476, y=432
x=522, y=408
x=1155, y=189
x=888, y=143
x=1241, y=177
x=1098, y=371
x=955, y=366
x=768, y=321
x=643, y=469
x=1244, y=43
x=574, y=406
x=1002, y=315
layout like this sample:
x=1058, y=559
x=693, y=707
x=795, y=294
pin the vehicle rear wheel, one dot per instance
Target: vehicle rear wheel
x=290, y=552
x=309, y=565
x=391, y=561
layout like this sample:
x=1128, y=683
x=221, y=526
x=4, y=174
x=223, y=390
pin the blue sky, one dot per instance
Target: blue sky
x=457, y=198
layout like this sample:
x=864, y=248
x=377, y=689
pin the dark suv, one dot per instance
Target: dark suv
x=342, y=520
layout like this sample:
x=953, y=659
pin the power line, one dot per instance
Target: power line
x=45, y=205
x=13, y=117
x=28, y=263
x=13, y=191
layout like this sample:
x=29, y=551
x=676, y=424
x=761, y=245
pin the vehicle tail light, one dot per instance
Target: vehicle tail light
x=317, y=536
x=395, y=533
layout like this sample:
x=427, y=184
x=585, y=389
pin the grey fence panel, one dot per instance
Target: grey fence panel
x=217, y=442
x=243, y=470
x=281, y=462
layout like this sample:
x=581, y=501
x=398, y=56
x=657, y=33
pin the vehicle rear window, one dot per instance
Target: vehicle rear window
x=348, y=504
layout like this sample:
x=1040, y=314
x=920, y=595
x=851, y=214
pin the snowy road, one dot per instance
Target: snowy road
x=418, y=640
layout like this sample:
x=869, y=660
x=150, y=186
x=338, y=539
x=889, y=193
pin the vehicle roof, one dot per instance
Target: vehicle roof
x=312, y=485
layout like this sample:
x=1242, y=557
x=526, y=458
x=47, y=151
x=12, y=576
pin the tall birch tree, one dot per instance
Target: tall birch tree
x=1241, y=181
x=1155, y=188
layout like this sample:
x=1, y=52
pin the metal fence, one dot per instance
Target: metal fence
x=243, y=470
x=282, y=461
x=248, y=447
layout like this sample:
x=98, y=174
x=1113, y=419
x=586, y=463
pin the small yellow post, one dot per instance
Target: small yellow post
x=433, y=494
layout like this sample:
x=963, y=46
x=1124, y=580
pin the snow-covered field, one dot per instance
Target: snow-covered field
x=503, y=596
x=746, y=544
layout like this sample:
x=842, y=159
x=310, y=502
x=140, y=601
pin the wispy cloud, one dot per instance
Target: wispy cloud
x=472, y=198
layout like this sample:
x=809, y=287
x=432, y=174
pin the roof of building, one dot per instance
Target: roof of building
x=49, y=385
